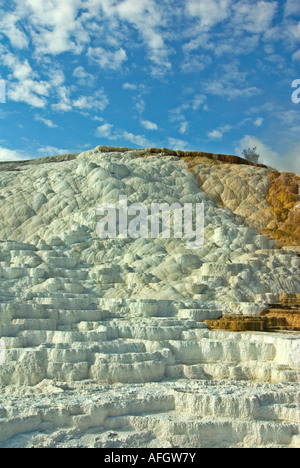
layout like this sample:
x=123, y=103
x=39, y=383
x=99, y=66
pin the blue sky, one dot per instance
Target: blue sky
x=206, y=75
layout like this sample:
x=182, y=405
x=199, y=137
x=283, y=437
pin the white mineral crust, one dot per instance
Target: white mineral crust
x=102, y=340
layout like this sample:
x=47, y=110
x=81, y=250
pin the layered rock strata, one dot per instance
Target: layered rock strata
x=105, y=342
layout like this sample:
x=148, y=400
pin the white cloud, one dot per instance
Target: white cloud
x=108, y=131
x=178, y=114
x=292, y=7
x=52, y=151
x=84, y=78
x=47, y=122
x=198, y=101
x=138, y=140
x=149, y=125
x=8, y=27
x=215, y=135
x=55, y=25
x=258, y=122
x=296, y=56
x=65, y=102
x=178, y=144
x=29, y=91
x=23, y=84
x=293, y=159
x=218, y=134
x=106, y=58
x=289, y=162
x=210, y=12
x=130, y=87
x=138, y=97
x=56, y=76
x=140, y=104
x=254, y=17
x=232, y=85
x=239, y=26
x=149, y=17
x=183, y=127
x=105, y=131
x=11, y=155
x=98, y=101
x=194, y=63
x=230, y=90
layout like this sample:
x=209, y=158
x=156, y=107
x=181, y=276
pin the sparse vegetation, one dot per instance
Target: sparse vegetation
x=251, y=155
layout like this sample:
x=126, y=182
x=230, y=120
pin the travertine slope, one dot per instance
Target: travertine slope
x=105, y=339
x=266, y=199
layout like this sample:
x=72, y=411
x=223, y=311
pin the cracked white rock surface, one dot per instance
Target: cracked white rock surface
x=104, y=340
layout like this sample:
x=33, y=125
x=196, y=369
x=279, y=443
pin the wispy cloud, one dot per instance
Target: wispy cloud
x=9, y=27
x=255, y=18
x=292, y=7
x=209, y=12
x=183, y=127
x=84, y=78
x=64, y=103
x=178, y=144
x=109, y=132
x=130, y=86
x=178, y=115
x=107, y=59
x=149, y=125
x=24, y=84
x=218, y=133
x=98, y=101
x=106, y=131
x=195, y=63
x=52, y=151
x=47, y=122
x=232, y=84
x=258, y=122
x=11, y=155
x=55, y=26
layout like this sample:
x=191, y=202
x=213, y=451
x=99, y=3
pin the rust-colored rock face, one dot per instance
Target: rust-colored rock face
x=237, y=323
x=276, y=320
x=266, y=199
x=283, y=316
x=284, y=199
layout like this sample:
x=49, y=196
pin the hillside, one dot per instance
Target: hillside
x=135, y=342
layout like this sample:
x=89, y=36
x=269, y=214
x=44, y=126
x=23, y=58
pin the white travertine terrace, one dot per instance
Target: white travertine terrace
x=105, y=340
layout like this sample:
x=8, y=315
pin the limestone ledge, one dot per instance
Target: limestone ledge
x=199, y=414
x=105, y=341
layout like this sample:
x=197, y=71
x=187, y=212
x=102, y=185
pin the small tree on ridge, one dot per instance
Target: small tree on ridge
x=251, y=155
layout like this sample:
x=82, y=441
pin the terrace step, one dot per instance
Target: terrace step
x=185, y=431
x=199, y=314
x=35, y=324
